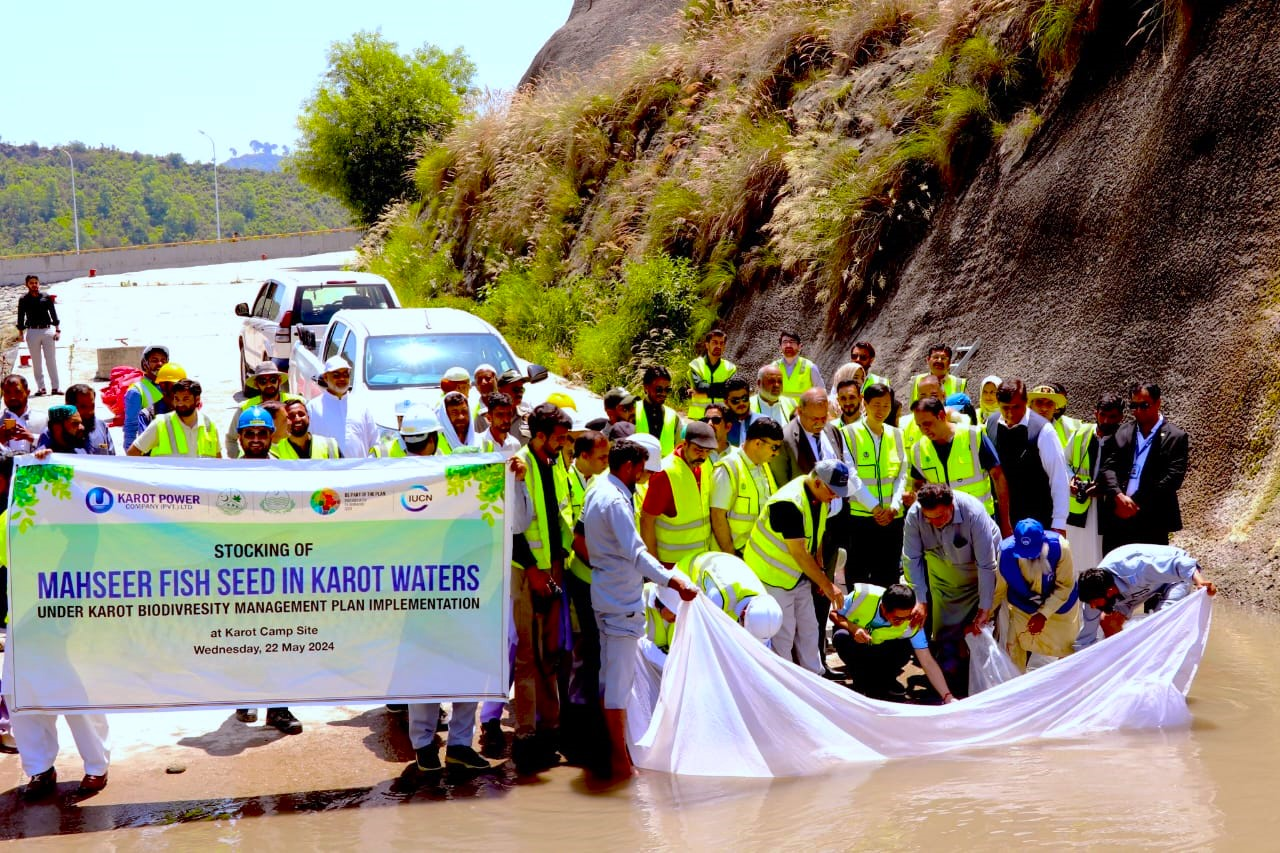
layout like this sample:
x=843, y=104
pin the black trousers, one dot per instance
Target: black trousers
x=875, y=551
x=872, y=666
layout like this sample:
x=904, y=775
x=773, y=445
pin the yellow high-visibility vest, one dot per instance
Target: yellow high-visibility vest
x=767, y=552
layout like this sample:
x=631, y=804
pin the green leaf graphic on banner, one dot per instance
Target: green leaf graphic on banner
x=56, y=480
x=490, y=479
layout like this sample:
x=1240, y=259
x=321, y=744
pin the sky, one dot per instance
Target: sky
x=148, y=76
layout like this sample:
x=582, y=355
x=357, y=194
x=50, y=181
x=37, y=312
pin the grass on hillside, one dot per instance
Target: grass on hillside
x=601, y=222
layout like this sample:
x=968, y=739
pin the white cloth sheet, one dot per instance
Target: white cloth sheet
x=728, y=706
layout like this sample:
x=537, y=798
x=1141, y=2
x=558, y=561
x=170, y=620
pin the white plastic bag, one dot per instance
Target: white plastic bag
x=989, y=664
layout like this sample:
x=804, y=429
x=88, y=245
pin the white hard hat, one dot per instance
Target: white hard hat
x=419, y=420
x=763, y=617
x=654, y=448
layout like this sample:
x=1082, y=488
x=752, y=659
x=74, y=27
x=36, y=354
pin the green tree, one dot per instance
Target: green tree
x=367, y=117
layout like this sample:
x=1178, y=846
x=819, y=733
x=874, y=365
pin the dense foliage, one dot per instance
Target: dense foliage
x=129, y=199
x=371, y=113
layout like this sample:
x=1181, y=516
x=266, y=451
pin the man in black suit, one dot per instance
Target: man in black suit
x=807, y=439
x=1142, y=470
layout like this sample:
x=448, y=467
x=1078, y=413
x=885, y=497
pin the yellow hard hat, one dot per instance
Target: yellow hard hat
x=562, y=400
x=170, y=373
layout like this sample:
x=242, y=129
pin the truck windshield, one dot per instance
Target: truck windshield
x=402, y=361
x=317, y=305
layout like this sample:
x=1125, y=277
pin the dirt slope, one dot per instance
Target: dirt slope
x=1135, y=237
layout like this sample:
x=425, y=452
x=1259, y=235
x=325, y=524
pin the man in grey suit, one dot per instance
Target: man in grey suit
x=806, y=440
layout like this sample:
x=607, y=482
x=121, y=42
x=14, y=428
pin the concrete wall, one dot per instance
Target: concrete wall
x=62, y=266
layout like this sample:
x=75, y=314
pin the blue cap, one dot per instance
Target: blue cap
x=835, y=474
x=255, y=416
x=1028, y=539
x=959, y=401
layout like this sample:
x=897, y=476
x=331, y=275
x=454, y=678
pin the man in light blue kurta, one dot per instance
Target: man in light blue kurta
x=1131, y=576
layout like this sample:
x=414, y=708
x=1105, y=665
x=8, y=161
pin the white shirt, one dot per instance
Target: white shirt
x=509, y=447
x=345, y=419
x=33, y=423
x=149, y=437
x=1141, y=450
x=1054, y=463
x=823, y=449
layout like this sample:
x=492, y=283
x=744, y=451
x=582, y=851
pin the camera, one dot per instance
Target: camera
x=1080, y=487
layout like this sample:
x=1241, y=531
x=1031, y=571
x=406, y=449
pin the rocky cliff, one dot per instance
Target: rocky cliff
x=1088, y=186
x=595, y=29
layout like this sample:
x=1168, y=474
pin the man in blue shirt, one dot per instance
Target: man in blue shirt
x=98, y=441
x=1133, y=576
x=620, y=562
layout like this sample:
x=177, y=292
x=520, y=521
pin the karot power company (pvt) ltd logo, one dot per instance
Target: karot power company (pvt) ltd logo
x=99, y=500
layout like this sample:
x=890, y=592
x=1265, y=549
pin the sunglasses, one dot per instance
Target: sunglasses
x=1139, y=407
x=714, y=419
x=735, y=400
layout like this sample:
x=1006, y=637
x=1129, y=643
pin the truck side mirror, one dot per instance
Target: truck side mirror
x=242, y=310
x=307, y=338
x=536, y=372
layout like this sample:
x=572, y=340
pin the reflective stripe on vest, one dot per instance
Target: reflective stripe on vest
x=963, y=471
x=257, y=401
x=1081, y=465
x=950, y=385
x=577, y=498
x=148, y=392
x=171, y=441
x=877, y=470
x=799, y=380
x=689, y=532
x=767, y=553
x=538, y=532
x=1065, y=427
x=866, y=606
x=700, y=369
x=667, y=438
x=322, y=447
x=711, y=572
x=388, y=447
x=747, y=500
x=1019, y=593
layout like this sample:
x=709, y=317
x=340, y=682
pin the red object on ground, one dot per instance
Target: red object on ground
x=92, y=272
x=113, y=395
x=264, y=256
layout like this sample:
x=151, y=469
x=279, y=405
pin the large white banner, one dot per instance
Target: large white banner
x=166, y=583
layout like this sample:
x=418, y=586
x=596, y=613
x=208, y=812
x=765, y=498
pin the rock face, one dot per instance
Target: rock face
x=595, y=29
x=1135, y=238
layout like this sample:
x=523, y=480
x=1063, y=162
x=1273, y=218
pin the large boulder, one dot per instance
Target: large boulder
x=598, y=27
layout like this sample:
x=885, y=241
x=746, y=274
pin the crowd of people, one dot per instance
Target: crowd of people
x=872, y=521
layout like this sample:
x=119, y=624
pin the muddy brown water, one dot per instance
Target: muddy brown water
x=1203, y=788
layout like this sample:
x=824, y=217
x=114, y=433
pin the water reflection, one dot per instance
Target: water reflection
x=1206, y=787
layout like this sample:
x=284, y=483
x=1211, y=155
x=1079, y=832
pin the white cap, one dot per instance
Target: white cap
x=762, y=617
x=419, y=420
x=457, y=374
x=654, y=448
x=336, y=362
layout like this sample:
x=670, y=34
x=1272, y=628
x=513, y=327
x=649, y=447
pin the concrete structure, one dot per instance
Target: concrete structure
x=64, y=266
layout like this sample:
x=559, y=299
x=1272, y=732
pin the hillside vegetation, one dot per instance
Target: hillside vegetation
x=129, y=199
x=773, y=142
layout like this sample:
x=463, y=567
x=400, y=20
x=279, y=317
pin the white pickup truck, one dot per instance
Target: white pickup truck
x=400, y=354
x=296, y=301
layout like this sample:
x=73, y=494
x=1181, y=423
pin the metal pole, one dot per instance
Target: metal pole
x=75, y=207
x=217, y=211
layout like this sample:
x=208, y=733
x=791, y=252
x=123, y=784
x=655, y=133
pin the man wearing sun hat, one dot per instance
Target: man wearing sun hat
x=1036, y=577
x=1049, y=401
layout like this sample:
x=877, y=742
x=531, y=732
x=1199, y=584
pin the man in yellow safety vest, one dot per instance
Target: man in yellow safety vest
x=799, y=374
x=960, y=457
x=939, y=362
x=878, y=455
x=768, y=399
x=785, y=552
x=185, y=431
x=708, y=374
x=742, y=484
x=266, y=380
x=653, y=415
x=675, y=520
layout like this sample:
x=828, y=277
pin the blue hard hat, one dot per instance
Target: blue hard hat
x=1028, y=539
x=255, y=416
x=959, y=401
